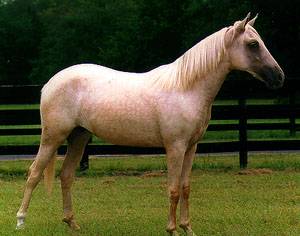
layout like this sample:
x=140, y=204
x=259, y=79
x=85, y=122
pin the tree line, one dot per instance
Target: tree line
x=40, y=37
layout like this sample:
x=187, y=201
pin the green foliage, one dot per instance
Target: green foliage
x=19, y=37
x=40, y=37
x=82, y=32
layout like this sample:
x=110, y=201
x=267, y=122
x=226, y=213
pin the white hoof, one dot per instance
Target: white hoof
x=20, y=226
x=20, y=223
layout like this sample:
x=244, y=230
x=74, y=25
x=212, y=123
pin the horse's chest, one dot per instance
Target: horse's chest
x=200, y=126
x=198, y=133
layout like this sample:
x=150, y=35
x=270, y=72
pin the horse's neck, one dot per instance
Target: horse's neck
x=208, y=87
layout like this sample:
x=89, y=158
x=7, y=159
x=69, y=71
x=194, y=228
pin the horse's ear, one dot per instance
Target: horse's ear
x=251, y=22
x=235, y=30
x=242, y=24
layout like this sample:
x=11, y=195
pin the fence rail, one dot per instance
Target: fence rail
x=240, y=112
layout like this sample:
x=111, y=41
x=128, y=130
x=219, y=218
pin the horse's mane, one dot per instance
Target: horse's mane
x=197, y=62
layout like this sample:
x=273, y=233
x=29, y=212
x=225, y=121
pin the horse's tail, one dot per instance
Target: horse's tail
x=49, y=173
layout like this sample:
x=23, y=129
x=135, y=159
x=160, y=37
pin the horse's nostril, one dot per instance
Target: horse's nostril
x=272, y=76
x=280, y=73
x=282, y=76
x=278, y=81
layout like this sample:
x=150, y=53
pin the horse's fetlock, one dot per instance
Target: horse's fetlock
x=185, y=225
x=21, y=215
x=171, y=228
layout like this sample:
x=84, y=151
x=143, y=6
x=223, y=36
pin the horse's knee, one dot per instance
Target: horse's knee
x=174, y=194
x=186, y=191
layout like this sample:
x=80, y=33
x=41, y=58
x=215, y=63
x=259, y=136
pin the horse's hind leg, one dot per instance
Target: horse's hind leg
x=47, y=150
x=76, y=144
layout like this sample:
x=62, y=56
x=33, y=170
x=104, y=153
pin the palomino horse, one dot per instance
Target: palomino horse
x=168, y=107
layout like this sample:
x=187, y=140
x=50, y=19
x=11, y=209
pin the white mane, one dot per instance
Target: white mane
x=201, y=59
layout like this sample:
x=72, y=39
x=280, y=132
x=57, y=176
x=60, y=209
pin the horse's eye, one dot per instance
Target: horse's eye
x=253, y=45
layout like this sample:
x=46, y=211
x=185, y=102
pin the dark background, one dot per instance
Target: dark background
x=40, y=37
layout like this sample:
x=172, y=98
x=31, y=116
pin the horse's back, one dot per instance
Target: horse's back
x=82, y=71
x=74, y=80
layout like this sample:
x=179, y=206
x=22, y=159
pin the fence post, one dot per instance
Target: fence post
x=243, y=133
x=292, y=114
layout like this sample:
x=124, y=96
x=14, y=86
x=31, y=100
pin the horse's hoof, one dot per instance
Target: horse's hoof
x=20, y=227
x=174, y=233
x=72, y=224
x=20, y=224
x=190, y=232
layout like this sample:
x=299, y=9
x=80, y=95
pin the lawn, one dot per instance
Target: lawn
x=127, y=196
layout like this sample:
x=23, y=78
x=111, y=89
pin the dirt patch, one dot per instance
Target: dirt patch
x=150, y=174
x=262, y=171
x=125, y=173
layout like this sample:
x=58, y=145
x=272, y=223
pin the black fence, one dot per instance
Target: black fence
x=286, y=107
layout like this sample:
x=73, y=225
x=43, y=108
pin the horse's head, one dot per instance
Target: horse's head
x=247, y=52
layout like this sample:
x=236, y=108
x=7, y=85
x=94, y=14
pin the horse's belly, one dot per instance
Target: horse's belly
x=134, y=126
x=131, y=135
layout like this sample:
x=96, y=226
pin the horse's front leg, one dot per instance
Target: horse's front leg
x=175, y=156
x=185, y=191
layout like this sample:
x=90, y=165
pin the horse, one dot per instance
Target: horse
x=169, y=107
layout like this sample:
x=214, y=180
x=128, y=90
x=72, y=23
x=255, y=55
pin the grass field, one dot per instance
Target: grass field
x=127, y=196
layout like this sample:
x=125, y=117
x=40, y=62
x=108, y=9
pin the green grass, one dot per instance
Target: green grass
x=137, y=165
x=118, y=196
x=19, y=106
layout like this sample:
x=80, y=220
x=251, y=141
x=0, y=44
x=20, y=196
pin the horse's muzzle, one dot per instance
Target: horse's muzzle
x=273, y=77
